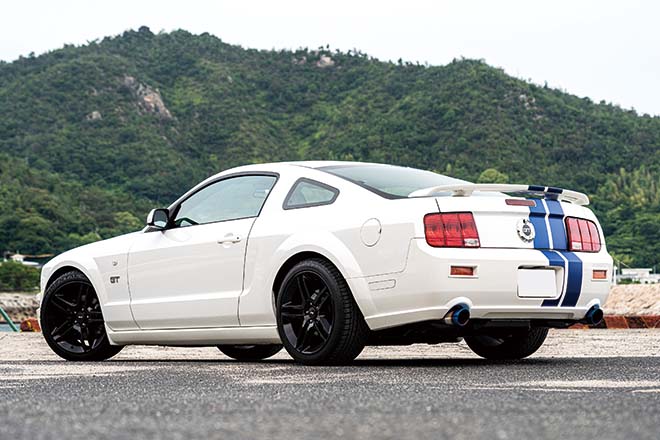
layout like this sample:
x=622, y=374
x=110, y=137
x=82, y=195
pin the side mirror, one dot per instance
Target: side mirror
x=158, y=218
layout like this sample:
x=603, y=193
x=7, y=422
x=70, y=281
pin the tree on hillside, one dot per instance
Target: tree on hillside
x=66, y=180
x=491, y=175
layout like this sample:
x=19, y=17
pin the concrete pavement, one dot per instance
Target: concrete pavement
x=581, y=384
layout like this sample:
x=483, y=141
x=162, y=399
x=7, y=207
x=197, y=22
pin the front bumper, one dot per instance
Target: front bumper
x=425, y=290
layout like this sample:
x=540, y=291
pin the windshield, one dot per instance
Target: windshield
x=388, y=180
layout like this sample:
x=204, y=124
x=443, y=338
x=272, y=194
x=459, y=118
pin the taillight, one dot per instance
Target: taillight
x=453, y=229
x=583, y=235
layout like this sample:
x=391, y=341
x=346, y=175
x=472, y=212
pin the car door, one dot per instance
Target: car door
x=190, y=275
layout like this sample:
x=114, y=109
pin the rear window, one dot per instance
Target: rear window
x=390, y=181
x=306, y=193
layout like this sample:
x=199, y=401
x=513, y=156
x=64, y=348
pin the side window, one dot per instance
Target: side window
x=307, y=192
x=228, y=199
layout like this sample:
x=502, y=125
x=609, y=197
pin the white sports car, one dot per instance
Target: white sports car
x=324, y=258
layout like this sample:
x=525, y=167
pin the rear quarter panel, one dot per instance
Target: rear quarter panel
x=361, y=233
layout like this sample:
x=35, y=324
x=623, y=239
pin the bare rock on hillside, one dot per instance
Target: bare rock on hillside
x=148, y=99
x=94, y=116
x=325, y=61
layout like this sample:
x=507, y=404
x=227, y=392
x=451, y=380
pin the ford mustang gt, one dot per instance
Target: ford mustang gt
x=324, y=258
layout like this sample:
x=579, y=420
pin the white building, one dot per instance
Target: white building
x=639, y=275
x=19, y=258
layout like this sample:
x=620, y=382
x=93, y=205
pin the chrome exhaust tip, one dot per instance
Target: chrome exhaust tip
x=594, y=316
x=458, y=316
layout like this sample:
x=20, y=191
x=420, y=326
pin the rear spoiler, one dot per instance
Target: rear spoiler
x=466, y=190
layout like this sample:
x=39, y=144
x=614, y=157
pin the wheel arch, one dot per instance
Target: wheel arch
x=357, y=285
x=61, y=271
x=291, y=262
x=68, y=265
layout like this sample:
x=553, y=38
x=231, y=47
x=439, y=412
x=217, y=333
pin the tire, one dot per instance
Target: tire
x=318, y=320
x=72, y=322
x=518, y=344
x=250, y=353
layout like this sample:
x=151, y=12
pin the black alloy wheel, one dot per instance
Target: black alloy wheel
x=250, y=353
x=307, y=312
x=317, y=317
x=516, y=344
x=72, y=321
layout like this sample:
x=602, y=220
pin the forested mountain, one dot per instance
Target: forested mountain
x=91, y=137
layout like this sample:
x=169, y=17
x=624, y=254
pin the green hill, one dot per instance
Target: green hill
x=91, y=137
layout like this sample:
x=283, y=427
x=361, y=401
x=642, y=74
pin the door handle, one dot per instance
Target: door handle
x=229, y=238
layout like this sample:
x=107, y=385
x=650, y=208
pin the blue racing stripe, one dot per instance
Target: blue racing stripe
x=557, y=227
x=556, y=261
x=572, y=266
x=574, y=283
x=537, y=218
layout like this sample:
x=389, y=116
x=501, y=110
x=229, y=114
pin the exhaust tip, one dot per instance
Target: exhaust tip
x=459, y=316
x=594, y=316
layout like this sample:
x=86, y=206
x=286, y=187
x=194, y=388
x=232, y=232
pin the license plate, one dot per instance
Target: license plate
x=537, y=283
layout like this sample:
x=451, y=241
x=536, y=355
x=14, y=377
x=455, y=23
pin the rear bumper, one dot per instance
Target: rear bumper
x=425, y=290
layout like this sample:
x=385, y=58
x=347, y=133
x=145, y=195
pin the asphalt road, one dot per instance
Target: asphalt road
x=582, y=384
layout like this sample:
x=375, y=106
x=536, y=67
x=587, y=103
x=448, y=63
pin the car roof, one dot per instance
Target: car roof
x=325, y=163
x=280, y=166
x=315, y=164
x=268, y=167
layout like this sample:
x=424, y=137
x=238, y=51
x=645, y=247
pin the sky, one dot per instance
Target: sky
x=605, y=50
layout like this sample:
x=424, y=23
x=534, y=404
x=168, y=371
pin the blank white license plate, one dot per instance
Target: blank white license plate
x=537, y=283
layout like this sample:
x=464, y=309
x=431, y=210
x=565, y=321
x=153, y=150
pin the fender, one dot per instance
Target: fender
x=99, y=267
x=86, y=266
x=60, y=262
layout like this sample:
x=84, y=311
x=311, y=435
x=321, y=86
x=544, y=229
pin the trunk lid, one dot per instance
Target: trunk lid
x=500, y=225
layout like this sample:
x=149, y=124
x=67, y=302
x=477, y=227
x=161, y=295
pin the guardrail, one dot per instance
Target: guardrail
x=8, y=319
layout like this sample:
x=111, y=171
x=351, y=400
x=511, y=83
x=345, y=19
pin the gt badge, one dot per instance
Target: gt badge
x=525, y=230
x=114, y=280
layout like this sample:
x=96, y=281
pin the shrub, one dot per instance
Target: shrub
x=15, y=276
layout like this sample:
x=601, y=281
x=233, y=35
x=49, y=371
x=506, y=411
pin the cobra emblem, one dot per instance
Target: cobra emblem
x=526, y=230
